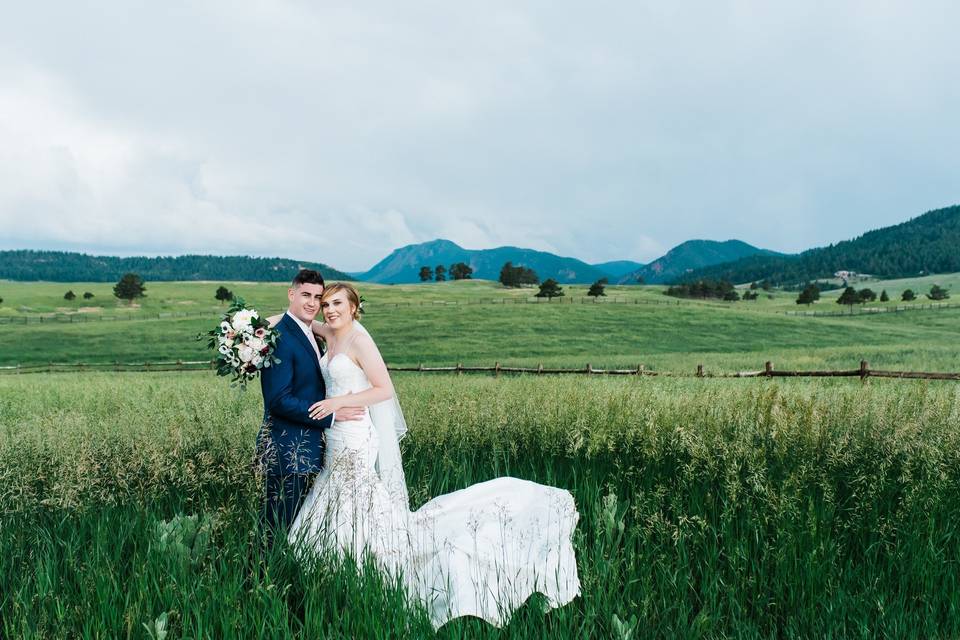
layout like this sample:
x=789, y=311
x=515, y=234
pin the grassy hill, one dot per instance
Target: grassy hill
x=926, y=244
x=480, y=323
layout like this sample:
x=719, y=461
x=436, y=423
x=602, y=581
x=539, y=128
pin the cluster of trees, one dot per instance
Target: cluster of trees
x=70, y=295
x=926, y=244
x=851, y=296
x=705, y=288
x=64, y=266
x=511, y=276
x=458, y=271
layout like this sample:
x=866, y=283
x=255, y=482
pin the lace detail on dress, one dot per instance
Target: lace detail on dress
x=480, y=551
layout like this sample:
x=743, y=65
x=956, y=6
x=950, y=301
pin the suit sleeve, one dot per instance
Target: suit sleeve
x=278, y=394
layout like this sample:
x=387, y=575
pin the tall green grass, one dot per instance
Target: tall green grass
x=761, y=509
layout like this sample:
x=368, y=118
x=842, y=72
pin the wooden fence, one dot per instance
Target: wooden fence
x=768, y=371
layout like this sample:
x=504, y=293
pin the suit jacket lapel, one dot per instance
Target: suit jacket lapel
x=293, y=328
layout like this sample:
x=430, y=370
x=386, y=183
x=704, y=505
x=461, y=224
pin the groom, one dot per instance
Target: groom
x=290, y=442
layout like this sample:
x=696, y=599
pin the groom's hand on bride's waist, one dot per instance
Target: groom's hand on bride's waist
x=350, y=414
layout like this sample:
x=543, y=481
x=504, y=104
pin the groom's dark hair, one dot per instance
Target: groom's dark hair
x=307, y=276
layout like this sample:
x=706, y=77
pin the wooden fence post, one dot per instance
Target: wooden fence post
x=496, y=370
x=589, y=368
x=459, y=368
x=768, y=368
x=699, y=370
x=864, y=371
x=540, y=368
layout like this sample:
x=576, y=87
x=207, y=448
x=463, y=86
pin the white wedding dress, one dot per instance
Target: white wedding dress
x=481, y=551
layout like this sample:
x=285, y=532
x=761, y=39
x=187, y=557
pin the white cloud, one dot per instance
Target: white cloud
x=337, y=132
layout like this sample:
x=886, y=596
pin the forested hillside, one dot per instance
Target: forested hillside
x=63, y=266
x=929, y=243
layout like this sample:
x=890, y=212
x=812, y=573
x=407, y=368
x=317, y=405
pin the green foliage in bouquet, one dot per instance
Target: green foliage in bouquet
x=244, y=343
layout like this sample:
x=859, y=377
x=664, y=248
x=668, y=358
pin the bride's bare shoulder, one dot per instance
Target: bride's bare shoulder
x=274, y=320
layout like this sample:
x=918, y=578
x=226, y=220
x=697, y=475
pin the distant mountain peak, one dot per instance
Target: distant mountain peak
x=691, y=255
x=403, y=265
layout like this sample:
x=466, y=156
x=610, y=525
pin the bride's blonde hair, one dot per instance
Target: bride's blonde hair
x=353, y=296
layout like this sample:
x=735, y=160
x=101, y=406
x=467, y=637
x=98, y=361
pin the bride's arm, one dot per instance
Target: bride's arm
x=321, y=330
x=275, y=320
x=381, y=387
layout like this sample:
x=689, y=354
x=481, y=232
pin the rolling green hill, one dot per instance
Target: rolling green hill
x=929, y=243
x=64, y=266
x=479, y=323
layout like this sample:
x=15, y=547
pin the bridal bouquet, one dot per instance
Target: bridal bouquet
x=244, y=343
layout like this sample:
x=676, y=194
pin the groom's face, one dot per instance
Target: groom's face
x=305, y=301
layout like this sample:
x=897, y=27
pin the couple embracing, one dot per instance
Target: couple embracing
x=329, y=447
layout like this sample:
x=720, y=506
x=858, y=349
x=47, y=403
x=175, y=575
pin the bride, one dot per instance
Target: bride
x=481, y=551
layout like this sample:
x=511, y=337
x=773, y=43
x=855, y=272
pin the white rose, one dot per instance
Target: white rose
x=246, y=354
x=242, y=318
x=256, y=361
x=256, y=344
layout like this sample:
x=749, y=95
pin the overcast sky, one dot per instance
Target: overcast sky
x=338, y=131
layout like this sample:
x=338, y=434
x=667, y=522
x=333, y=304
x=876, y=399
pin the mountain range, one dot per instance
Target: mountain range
x=929, y=243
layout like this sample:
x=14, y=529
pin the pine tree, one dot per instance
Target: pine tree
x=87, y=295
x=596, y=289
x=908, y=296
x=508, y=275
x=849, y=297
x=866, y=295
x=129, y=287
x=809, y=295
x=440, y=272
x=223, y=294
x=426, y=274
x=550, y=289
x=884, y=297
x=731, y=296
x=69, y=295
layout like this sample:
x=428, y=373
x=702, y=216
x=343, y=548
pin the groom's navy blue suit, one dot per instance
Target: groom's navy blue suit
x=290, y=442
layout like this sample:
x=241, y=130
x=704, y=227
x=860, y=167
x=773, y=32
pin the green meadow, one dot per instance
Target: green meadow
x=748, y=508
x=480, y=323
x=709, y=508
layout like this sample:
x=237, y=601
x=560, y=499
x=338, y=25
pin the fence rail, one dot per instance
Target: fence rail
x=863, y=371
